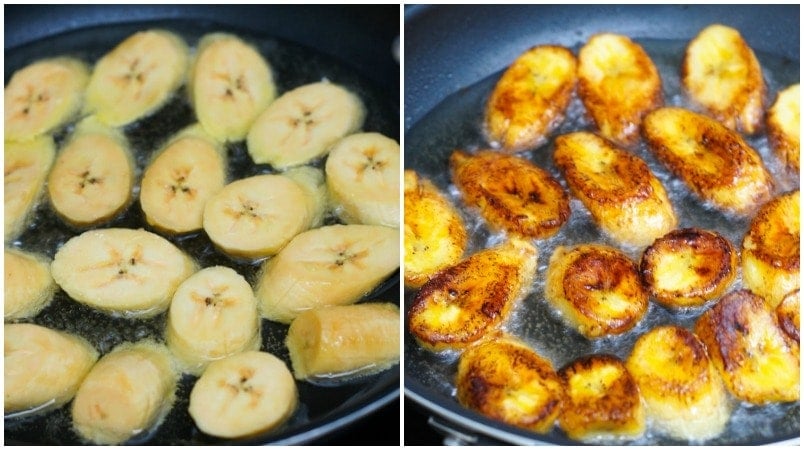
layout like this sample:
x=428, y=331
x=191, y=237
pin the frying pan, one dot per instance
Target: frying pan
x=351, y=45
x=453, y=56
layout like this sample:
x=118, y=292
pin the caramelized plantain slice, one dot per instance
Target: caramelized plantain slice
x=784, y=126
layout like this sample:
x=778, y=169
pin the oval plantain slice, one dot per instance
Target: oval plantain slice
x=618, y=84
x=435, y=235
x=506, y=380
x=771, y=250
x=713, y=161
x=750, y=350
x=684, y=396
x=784, y=126
x=512, y=193
x=625, y=199
x=464, y=302
x=721, y=73
x=25, y=168
x=529, y=100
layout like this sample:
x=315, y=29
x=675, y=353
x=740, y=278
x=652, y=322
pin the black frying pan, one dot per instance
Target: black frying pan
x=352, y=45
x=453, y=55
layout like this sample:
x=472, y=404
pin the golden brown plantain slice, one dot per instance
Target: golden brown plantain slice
x=788, y=313
x=713, y=161
x=435, y=235
x=771, y=251
x=784, y=126
x=506, y=380
x=618, y=83
x=688, y=267
x=464, y=302
x=626, y=200
x=596, y=288
x=602, y=400
x=530, y=98
x=512, y=193
x=684, y=396
x=750, y=350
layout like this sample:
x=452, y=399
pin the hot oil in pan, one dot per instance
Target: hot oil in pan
x=292, y=66
x=456, y=123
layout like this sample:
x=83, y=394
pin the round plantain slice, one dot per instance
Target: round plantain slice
x=506, y=380
x=749, y=349
x=688, y=267
x=784, y=126
x=28, y=284
x=683, y=393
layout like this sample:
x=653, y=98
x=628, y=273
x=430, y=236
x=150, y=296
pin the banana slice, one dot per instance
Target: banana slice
x=512, y=194
x=602, y=400
x=213, y=314
x=327, y=266
x=771, y=253
x=26, y=166
x=596, y=288
x=363, y=179
x=471, y=299
x=255, y=217
x=684, y=396
x=788, y=313
x=122, y=271
x=618, y=84
x=137, y=77
x=28, y=285
x=176, y=185
x=128, y=392
x=230, y=84
x=688, y=267
x=314, y=184
x=435, y=235
x=626, y=200
x=713, y=161
x=530, y=99
x=42, y=368
x=506, y=380
x=43, y=96
x=243, y=395
x=722, y=74
x=303, y=124
x=784, y=126
x=750, y=350
x=93, y=175
x=344, y=341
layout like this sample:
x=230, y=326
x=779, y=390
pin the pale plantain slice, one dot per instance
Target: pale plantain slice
x=771, y=250
x=683, y=393
x=625, y=199
x=529, y=100
x=688, y=267
x=511, y=193
x=506, y=380
x=596, y=288
x=467, y=301
x=721, y=73
x=750, y=350
x=788, y=313
x=25, y=169
x=618, y=84
x=435, y=235
x=713, y=161
x=28, y=285
x=602, y=400
x=784, y=126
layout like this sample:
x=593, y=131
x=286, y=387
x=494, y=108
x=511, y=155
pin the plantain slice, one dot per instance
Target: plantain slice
x=788, y=313
x=750, y=350
x=602, y=400
x=506, y=380
x=464, y=302
x=721, y=73
x=784, y=126
x=511, y=193
x=771, y=250
x=618, y=84
x=684, y=396
x=688, y=267
x=625, y=199
x=529, y=100
x=713, y=161
x=435, y=235
x=596, y=288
